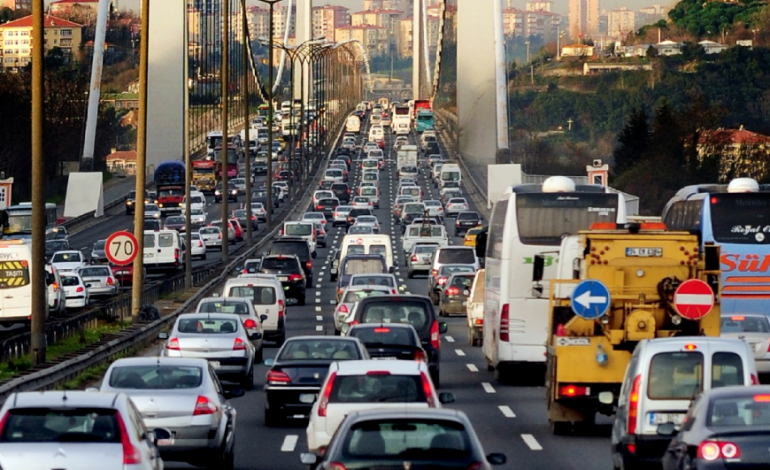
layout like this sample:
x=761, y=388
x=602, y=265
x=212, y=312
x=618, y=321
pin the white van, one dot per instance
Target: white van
x=15, y=282
x=663, y=377
x=163, y=250
x=372, y=193
x=266, y=294
x=353, y=124
x=450, y=172
x=197, y=201
x=376, y=134
x=305, y=230
x=368, y=244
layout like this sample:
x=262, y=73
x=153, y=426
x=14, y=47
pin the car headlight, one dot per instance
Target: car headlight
x=160, y=205
x=217, y=192
x=234, y=191
x=129, y=202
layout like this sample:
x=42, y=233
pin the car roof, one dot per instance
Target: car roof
x=361, y=367
x=737, y=391
x=667, y=344
x=217, y=316
x=64, y=399
x=411, y=413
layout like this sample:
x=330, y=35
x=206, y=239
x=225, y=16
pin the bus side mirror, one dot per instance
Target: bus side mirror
x=538, y=266
x=481, y=243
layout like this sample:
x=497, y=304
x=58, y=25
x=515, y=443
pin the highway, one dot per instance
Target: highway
x=508, y=419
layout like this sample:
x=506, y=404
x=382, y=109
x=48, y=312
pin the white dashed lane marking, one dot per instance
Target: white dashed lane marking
x=531, y=442
x=472, y=367
x=488, y=387
x=318, y=309
x=319, y=317
x=449, y=339
x=507, y=411
x=289, y=443
x=460, y=352
x=319, y=328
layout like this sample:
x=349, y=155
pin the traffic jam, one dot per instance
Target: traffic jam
x=395, y=324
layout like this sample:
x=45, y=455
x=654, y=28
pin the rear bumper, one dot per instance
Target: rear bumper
x=648, y=449
x=190, y=442
x=286, y=400
x=453, y=306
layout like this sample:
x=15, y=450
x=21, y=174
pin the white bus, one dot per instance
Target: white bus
x=19, y=224
x=529, y=220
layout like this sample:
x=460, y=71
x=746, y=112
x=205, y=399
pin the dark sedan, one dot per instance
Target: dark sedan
x=300, y=367
x=290, y=273
x=466, y=220
x=327, y=206
x=391, y=341
x=98, y=254
x=175, y=222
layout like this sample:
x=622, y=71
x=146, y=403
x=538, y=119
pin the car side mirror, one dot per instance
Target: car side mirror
x=162, y=335
x=496, y=458
x=235, y=392
x=446, y=397
x=255, y=336
x=263, y=317
x=269, y=362
x=308, y=458
x=666, y=429
x=606, y=398
x=442, y=328
x=392, y=270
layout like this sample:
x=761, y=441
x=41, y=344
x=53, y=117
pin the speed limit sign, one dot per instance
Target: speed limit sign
x=121, y=248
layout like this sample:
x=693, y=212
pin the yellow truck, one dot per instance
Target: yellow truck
x=616, y=286
x=204, y=175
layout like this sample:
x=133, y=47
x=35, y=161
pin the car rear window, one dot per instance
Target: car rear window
x=434, y=440
x=224, y=306
x=320, y=349
x=298, y=248
x=389, y=311
x=372, y=281
x=283, y=264
x=384, y=335
x=66, y=257
x=462, y=281
x=298, y=230
x=86, y=272
x=156, y=377
x=732, y=412
x=676, y=376
x=368, y=191
x=357, y=212
x=363, y=266
x=67, y=281
x=457, y=256
x=726, y=369
x=207, y=325
x=377, y=388
x=165, y=240
x=745, y=324
x=60, y=425
x=467, y=216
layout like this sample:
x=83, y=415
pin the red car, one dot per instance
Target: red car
x=238, y=229
x=125, y=274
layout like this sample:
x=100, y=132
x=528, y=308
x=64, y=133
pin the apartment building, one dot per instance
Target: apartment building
x=373, y=38
x=583, y=18
x=17, y=35
x=526, y=23
x=327, y=18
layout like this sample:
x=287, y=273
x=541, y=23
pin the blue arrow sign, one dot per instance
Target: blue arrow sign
x=590, y=299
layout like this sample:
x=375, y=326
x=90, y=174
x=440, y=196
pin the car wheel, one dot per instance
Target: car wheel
x=222, y=459
x=281, y=339
x=301, y=300
x=204, y=256
x=247, y=382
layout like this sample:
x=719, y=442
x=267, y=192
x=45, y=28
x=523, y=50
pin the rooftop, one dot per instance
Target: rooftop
x=50, y=22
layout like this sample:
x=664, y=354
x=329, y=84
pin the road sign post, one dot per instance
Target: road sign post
x=121, y=248
x=693, y=299
x=590, y=299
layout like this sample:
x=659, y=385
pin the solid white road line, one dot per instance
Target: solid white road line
x=507, y=411
x=460, y=352
x=449, y=339
x=472, y=367
x=289, y=443
x=488, y=387
x=531, y=442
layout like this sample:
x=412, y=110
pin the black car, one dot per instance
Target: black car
x=232, y=196
x=259, y=168
x=398, y=341
x=341, y=191
x=355, y=212
x=726, y=427
x=466, y=220
x=416, y=310
x=289, y=271
x=175, y=222
x=131, y=201
x=299, y=369
x=298, y=247
x=52, y=246
x=327, y=206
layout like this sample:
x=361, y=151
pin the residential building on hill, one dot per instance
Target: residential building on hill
x=583, y=18
x=740, y=153
x=16, y=37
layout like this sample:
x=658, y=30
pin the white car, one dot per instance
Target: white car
x=755, y=330
x=362, y=202
x=434, y=207
x=258, y=210
x=212, y=236
x=456, y=205
x=75, y=290
x=198, y=217
x=239, y=184
x=359, y=385
x=317, y=217
x=322, y=194
x=198, y=247
x=351, y=296
x=151, y=211
x=68, y=260
x=197, y=201
x=368, y=221
x=57, y=298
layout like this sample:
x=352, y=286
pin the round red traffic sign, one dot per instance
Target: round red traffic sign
x=359, y=241
x=693, y=299
x=120, y=248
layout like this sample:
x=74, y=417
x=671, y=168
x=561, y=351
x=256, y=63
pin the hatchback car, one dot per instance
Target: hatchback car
x=242, y=216
x=340, y=215
x=75, y=290
x=184, y=397
x=289, y=271
x=198, y=247
x=437, y=283
x=198, y=217
x=100, y=280
x=244, y=309
x=392, y=341
x=219, y=338
x=420, y=258
x=175, y=222
x=98, y=254
x=315, y=217
x=454, y=297
x=351, y=296
x=456, y=205
x=362, y=202
x=211, y=236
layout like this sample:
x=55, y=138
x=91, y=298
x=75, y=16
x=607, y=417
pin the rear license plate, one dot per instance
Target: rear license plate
x=148, y=255
x=307, y=397
x=644, y=252
x=165, y=442
x=283, y=278
x=385, y=358
x=214, y=364
x=662, y=418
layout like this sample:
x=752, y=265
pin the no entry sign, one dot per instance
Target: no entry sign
x=693, y=299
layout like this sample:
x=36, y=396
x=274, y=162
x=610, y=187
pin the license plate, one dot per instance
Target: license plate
x=148, y=255
x=165, y=442
x=644, y=252
x=385, y=358
x=283, y=278
x=662, y=418
x=307, y=397
x=214, y=364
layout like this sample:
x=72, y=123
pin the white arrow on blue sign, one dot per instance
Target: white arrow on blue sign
x=590, y=299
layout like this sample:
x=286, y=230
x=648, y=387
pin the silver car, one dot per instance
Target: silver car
x=755, y=330
x=100, y=280
x=151, y=211
x=212, y=236
x=368, y=221
x=244, y=309
x=420, y=258
x=77, y=430
x=218, y=337
x=239, y=184
x=340, y=215
x=198, y=217
x=183, y=396
x=351, y=296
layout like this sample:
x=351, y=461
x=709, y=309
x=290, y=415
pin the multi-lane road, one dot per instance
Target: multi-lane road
x=509, y=419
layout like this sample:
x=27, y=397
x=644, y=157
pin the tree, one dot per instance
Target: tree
x=633, y=141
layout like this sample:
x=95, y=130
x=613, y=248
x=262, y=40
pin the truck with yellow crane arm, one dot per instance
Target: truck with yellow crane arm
x=616, y=286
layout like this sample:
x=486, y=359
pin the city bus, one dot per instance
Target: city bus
x=736, y=217
x=263, y=110
x=20, y=220
x=530, y=220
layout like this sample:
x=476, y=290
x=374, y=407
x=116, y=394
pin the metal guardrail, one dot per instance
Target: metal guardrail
x=140, y=335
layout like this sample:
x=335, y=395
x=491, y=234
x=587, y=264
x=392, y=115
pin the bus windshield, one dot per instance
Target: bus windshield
x=19, y=222
x=741, y=218
x=545, y=218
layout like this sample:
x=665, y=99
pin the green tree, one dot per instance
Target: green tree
x=633, y=141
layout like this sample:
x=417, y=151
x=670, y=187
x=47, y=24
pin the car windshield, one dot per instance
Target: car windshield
x=412, y=439
x=61, y=425
x=175, y=221
x=745, y=324
x=156, y=377
x=737, y=412
x=209, y=231
x=207, y=325
x=313, y=215
x=298, y=230
x=457, y=256
x=66, y=258
x=298, y=248
x=223, y=306
x=318, y=349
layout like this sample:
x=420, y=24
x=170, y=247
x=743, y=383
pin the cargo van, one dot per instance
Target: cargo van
x=266, y=294
x=16, y=282
x=368, y=244
x=163, y=250
x=450, y=172
x=353, y=124
x=662, y=379
x=305, y=230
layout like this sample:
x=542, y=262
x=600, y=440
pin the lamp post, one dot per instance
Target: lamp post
x=559, y=35
x=224, y=154
x=246, y=121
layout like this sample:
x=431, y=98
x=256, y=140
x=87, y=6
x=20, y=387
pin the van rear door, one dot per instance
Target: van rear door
x=150, y=250
x=15, y=288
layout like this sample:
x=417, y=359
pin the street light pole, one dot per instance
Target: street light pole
x=225, y=124
x=246, y=122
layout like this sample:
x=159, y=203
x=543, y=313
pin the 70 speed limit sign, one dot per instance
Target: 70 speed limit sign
x=121, y=248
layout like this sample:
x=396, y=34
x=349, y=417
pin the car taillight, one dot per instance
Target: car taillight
x=343, y=309
x=434, y=272
x=335, y=215
x=453, y=291
x=504, y=322
x=110, y=281
x=219, y=235
x=573, y=391
x=309, y=264
x=326, y=394
x=434, y=339
x=295, y=277
x=276, y=377
x=419, y=356
x=131, y=454
x=427, y=388
x=204, y=406
x=79, y=289
x=249, y=324
x=633, y=405
x=441, y=281
x=200, y=243
x=55, y=286
x=239, y=345
x=713, y=450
